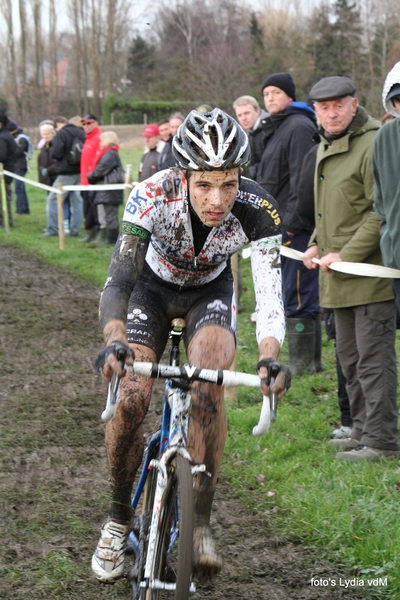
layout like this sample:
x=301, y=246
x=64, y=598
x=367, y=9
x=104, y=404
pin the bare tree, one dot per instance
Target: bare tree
x=37, y=27
x=23, y=45
x=53, y=75
x=78, y=53
x=6, y=9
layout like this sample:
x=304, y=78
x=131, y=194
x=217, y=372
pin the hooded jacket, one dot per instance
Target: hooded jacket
x=288, y=137
x=392, y=78
x=346, y=222
x=386, y=166
x=22, y=146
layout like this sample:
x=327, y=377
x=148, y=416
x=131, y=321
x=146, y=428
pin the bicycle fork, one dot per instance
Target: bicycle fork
x=162, y=481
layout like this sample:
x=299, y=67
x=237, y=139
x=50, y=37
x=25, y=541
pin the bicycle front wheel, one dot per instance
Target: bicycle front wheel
x=143, y=527
x=174, y=547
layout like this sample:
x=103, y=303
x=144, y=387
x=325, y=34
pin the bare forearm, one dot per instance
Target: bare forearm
x=114, y=330
x=269, y=347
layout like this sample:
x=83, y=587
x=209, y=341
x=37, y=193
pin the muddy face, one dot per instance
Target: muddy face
x=212, y=194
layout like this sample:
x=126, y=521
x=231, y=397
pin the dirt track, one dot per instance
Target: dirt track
x=53, y=477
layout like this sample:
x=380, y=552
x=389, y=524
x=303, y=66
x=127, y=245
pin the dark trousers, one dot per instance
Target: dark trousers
x=365, y=338
x=89, y=210
x=343, y=397
x=396, y=290
x=299, y=284
x=22, y=204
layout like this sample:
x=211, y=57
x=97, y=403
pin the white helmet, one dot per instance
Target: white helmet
x=211, y=141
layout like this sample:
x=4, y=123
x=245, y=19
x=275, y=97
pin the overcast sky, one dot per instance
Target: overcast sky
x=144, y=9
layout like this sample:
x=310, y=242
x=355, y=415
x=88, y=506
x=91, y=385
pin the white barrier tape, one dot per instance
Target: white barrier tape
x=43, y=186
x=350, y=268
x=96, y=188
x=67, y=188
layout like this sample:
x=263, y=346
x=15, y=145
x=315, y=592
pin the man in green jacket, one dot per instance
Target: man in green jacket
x=347, y=229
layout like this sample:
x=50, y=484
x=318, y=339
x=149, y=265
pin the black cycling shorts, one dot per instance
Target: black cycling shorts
x=154, y=303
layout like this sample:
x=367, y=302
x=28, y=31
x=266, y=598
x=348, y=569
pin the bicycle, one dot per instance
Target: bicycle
x=162, y=535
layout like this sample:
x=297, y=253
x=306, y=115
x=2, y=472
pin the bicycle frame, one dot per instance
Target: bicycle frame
x=171, y=438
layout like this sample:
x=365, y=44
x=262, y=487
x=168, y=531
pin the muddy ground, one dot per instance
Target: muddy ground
x=53, y=477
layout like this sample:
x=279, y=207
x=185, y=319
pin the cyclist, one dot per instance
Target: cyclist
x=172, y=259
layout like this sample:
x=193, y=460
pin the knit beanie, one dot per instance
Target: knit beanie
x=283, y=81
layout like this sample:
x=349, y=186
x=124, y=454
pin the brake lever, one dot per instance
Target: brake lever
x=274, y=370
x=113, y=386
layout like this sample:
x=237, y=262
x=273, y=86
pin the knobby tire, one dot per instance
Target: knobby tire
x=178, y=564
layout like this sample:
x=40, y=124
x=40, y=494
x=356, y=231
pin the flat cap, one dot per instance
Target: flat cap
x=330, y=88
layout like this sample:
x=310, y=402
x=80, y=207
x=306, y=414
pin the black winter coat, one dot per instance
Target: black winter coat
x=166, y=160
x=61, y=146
x=257, y=144
x=46, y=161
x=107, y=163
x=21, y=146
x=7, y=152
x=288, y=138
x=305, y=199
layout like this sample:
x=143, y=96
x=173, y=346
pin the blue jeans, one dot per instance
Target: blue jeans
x=76, y=204
x=22, y=207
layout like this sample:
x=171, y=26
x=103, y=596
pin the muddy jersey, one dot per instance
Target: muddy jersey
x=158, y=214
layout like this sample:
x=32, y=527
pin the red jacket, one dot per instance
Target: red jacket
x=89, y=151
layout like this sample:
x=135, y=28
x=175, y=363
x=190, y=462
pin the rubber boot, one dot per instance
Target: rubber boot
x=318, y=345
x=112, y=235
x=90, y=234
x=101, y=237
x=302, y=346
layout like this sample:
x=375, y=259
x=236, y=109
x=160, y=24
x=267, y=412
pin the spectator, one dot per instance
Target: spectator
x=166, y=159
x=347, y=229
x=149, y=162
x=108, y=170
x=67, y=174
x=47, y=165
x=306, y=211
x=7, y=159
x=77, y=121
x=42, y=142
x=164, y=129
x=90, y=148
x=251, y=117
x=288, y=136
x=66, y=204
x=21, y=167
x=387, y=178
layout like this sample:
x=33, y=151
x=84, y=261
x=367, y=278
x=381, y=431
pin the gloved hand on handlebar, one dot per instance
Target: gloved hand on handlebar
x=280, y=374
x=112, y=359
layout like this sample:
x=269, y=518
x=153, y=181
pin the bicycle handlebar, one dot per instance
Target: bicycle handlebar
x=188, y=373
